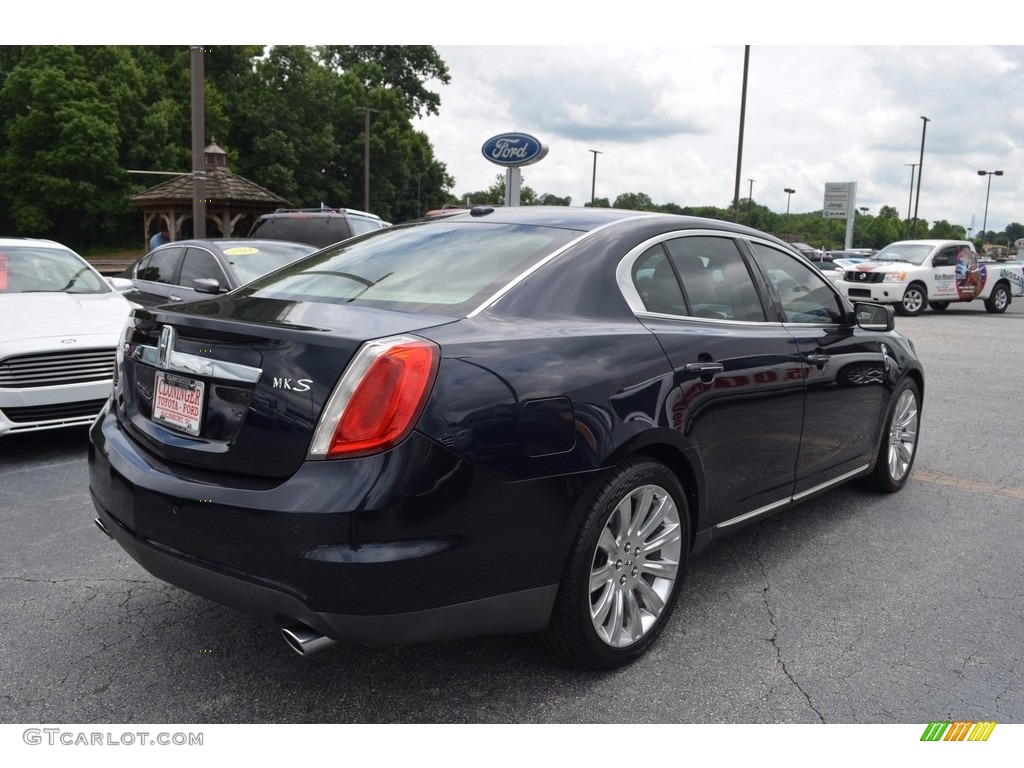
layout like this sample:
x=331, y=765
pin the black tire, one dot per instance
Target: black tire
x=914, y=300
x=899, y=440
x=939, y=306
x=633, y=544
x=998, y=300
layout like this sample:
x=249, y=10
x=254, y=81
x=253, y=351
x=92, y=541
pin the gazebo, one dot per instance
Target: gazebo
x=231, y=201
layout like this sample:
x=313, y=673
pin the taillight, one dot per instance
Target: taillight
x=378, y=399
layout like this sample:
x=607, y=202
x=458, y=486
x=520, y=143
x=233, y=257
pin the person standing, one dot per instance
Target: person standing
x=161, y=237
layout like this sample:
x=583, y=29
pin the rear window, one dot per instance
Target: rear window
x=441, y=267
x=303, y=228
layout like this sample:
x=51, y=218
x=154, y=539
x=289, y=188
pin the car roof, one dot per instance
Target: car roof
x=11, y=242
x=222, y=243
x=582, y=219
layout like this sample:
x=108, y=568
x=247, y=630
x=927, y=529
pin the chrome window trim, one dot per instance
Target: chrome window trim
x=493, y=298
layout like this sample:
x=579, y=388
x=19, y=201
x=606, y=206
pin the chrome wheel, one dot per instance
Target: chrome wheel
x=898, y=443
x=635, y=565
x=903, y=435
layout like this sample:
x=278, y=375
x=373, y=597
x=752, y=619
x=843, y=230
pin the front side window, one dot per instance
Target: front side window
x=201, y=264
x=160, y=266
x=805, y=295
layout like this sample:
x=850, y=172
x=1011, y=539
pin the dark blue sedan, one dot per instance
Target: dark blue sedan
x=503, y=420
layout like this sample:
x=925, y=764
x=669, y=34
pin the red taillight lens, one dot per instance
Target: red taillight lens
x=379, y=398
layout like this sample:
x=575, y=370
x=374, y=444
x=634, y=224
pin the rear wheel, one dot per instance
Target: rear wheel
x=899, y=442
x=938, y=306
x=914, y=300
x=625, y=569
x=999, y=300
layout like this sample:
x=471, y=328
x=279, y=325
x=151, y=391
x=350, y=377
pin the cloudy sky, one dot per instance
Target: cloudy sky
x=630, y=81
x=666, y=122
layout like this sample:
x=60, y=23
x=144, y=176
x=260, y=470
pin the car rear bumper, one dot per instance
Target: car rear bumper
x=375, y=550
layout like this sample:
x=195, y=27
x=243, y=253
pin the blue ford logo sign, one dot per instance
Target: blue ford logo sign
x=513, y=149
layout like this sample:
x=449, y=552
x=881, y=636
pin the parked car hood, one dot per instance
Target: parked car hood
x=41, y=315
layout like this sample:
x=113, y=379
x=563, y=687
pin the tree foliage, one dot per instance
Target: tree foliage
x=74, y=120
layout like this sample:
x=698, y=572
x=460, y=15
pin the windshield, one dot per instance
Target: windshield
x=251, y=261
x=913, y=253
x=46, y=269
x=440, y=266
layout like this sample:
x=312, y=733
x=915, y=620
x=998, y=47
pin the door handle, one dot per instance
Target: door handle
x=817, y=360
x=703, y=369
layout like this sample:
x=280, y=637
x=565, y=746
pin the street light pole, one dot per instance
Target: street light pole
x=366, y=159
x=910, y=199
x=750, y=199
x=593, y=176
x=739, y=148
x=920, y=170
x=789, y=196
x=864, y=212
x=984, y=222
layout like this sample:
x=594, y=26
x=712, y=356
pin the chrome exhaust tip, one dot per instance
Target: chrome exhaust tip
x=102, y=527
x=305, y=640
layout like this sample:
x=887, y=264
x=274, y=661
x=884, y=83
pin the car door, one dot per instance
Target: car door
x=845, y=370
x=944, y=275
x=738, y=389
x=154, y=278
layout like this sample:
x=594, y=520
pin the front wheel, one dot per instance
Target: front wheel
x=899, y=441
x=624, y=571
x=999, y=300
x=914, y=300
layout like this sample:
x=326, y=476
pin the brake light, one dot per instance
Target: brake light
x=376, y=403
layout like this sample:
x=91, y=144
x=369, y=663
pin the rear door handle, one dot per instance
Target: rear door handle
x=704, y=369
x=817, y=360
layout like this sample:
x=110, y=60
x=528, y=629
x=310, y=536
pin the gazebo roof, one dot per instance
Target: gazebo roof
x=219, y=185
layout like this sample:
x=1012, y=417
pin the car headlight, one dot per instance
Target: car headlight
x=895, y=277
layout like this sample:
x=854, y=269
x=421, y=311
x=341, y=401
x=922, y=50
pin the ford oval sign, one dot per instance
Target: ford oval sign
x=513, y=149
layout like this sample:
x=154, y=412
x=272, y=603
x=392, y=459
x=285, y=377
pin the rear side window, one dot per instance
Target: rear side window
x=442, y=267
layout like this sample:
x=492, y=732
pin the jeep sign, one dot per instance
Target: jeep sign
x=513, y=149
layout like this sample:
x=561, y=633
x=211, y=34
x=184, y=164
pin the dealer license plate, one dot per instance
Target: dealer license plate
x=178, y=402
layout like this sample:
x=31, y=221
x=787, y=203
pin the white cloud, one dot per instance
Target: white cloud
x=666, y=121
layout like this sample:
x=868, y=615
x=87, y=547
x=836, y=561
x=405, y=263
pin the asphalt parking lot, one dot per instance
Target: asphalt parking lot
x=852, y=608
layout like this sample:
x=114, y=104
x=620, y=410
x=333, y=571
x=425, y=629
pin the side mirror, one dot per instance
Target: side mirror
x=874, y=317
x=120, y=284
x=206, y=285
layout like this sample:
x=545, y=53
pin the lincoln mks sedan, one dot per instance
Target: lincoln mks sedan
x=504, y=420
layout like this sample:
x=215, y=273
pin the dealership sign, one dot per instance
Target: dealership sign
x=839, y=200
x=513, y=149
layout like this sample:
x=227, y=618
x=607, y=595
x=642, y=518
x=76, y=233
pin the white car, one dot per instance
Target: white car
x=60, y=322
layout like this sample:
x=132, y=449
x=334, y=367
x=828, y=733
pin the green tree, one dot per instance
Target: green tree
x=634, y=201
x=59, y=169
x=403, y=68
